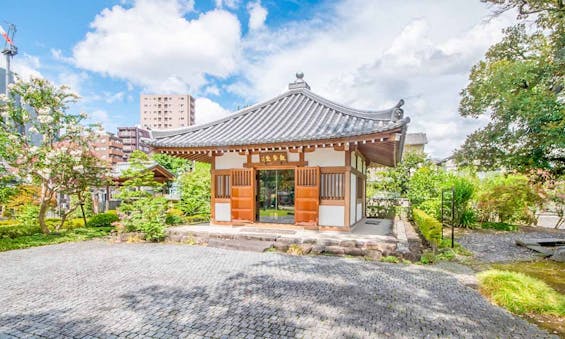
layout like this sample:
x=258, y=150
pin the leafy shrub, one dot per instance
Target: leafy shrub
x=431, y=257
x=428, y=226
x=520, y=293
x=28, y=215
x=432, y=207
x=54, y=223
x=9, y=222
x=102, y=220
x=467, y=218
x=17, y=230
x=499, y=226
x=507, y=199
x=146, y=215
x=174, y=217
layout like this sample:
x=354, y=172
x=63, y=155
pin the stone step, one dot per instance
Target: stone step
x=240, y=244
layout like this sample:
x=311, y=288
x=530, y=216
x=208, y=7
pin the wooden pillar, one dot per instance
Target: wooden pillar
x=213, y=189
x=347, y=196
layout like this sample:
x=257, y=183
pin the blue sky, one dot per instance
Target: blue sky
x=229, y=53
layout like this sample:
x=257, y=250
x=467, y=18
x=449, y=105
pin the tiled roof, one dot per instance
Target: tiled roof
x=296, y=115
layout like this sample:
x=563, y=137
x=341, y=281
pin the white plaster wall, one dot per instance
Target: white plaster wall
x=360, y=164
x=293, y=156
x=230, y=160
x=222, y=211
x=353, y=199
x=255, y=158
x=332, y=215
x=325, y=157
x=353, y=160
x=359, y=211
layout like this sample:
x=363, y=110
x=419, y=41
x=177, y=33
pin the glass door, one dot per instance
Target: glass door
x=276, y=196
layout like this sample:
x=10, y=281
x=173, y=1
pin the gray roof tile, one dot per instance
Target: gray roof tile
x=296, y=115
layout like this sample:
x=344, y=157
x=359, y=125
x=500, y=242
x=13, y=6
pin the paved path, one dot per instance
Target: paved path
x=153, y=290
x=491, y=246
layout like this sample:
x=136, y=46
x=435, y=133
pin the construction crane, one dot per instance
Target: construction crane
x=9, y=50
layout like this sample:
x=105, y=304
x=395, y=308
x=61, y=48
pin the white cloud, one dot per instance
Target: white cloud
x=111, y=98
x=74, y=80
x=231, y=4
x=257, y=15
x=212, y=90
x=25, y=66
x=153, y=46
x=355, y=54
x=207, y=110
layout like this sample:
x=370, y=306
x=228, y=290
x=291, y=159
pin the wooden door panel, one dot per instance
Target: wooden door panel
x=243, y=197
x=307, y=192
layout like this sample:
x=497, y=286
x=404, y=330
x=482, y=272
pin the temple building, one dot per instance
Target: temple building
x=295, y=159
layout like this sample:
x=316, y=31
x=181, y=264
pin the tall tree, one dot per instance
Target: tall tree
x=62, y=163
x=520, y=86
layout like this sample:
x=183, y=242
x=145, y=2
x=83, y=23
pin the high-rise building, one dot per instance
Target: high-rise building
x=109, y=148
x=160, y=111
x=131, y=138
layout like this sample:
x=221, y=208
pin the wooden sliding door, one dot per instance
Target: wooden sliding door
x=307, y=193
x=243, y=194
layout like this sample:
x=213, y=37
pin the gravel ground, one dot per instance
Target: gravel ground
x=99, y=289
x=491, y=247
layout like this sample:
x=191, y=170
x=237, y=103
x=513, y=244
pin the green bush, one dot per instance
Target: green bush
x=428, y=226
x=18, y=230
x=174, y=217
x=28, y=215
x=146, y=215
x=102, y=220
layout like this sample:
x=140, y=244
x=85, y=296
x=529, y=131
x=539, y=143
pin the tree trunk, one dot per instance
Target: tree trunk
x=42, y=211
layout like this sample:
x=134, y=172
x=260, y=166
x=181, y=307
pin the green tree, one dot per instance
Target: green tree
x=63, y=162
x=195, y=190
x=520, y=86
x=142, y=209
x=175, y=165
x=397, y=179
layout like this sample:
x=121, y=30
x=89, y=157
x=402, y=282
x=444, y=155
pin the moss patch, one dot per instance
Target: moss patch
x=551, y=272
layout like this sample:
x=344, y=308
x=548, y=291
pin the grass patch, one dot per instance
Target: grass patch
x=275, y=213
x=520, y=293
x=499, y=226
x=295, y=249
x=551, y=272
x=39, y=239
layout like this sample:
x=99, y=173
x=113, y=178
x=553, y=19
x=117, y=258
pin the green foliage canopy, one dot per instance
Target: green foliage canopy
x=520, y=86
x=195, y=190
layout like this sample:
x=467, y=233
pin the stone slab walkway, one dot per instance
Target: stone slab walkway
x=101, y=289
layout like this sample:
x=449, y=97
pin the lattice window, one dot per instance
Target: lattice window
x=332, y=186
x=223, y=186
x=241, y=178
x=307, y=177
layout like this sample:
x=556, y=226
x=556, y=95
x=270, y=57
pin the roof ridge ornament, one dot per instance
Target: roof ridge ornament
x=397, y=112
x=299, y=83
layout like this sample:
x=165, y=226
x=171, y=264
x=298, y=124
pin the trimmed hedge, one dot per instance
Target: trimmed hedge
x=428, y=226
x=102, y=220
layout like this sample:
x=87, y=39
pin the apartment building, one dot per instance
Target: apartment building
x=166, y=111
x=109, y=148
x=131, y=138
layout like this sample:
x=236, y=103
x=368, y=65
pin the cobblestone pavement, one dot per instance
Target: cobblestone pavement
x=490, y=246
x=99, y=289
